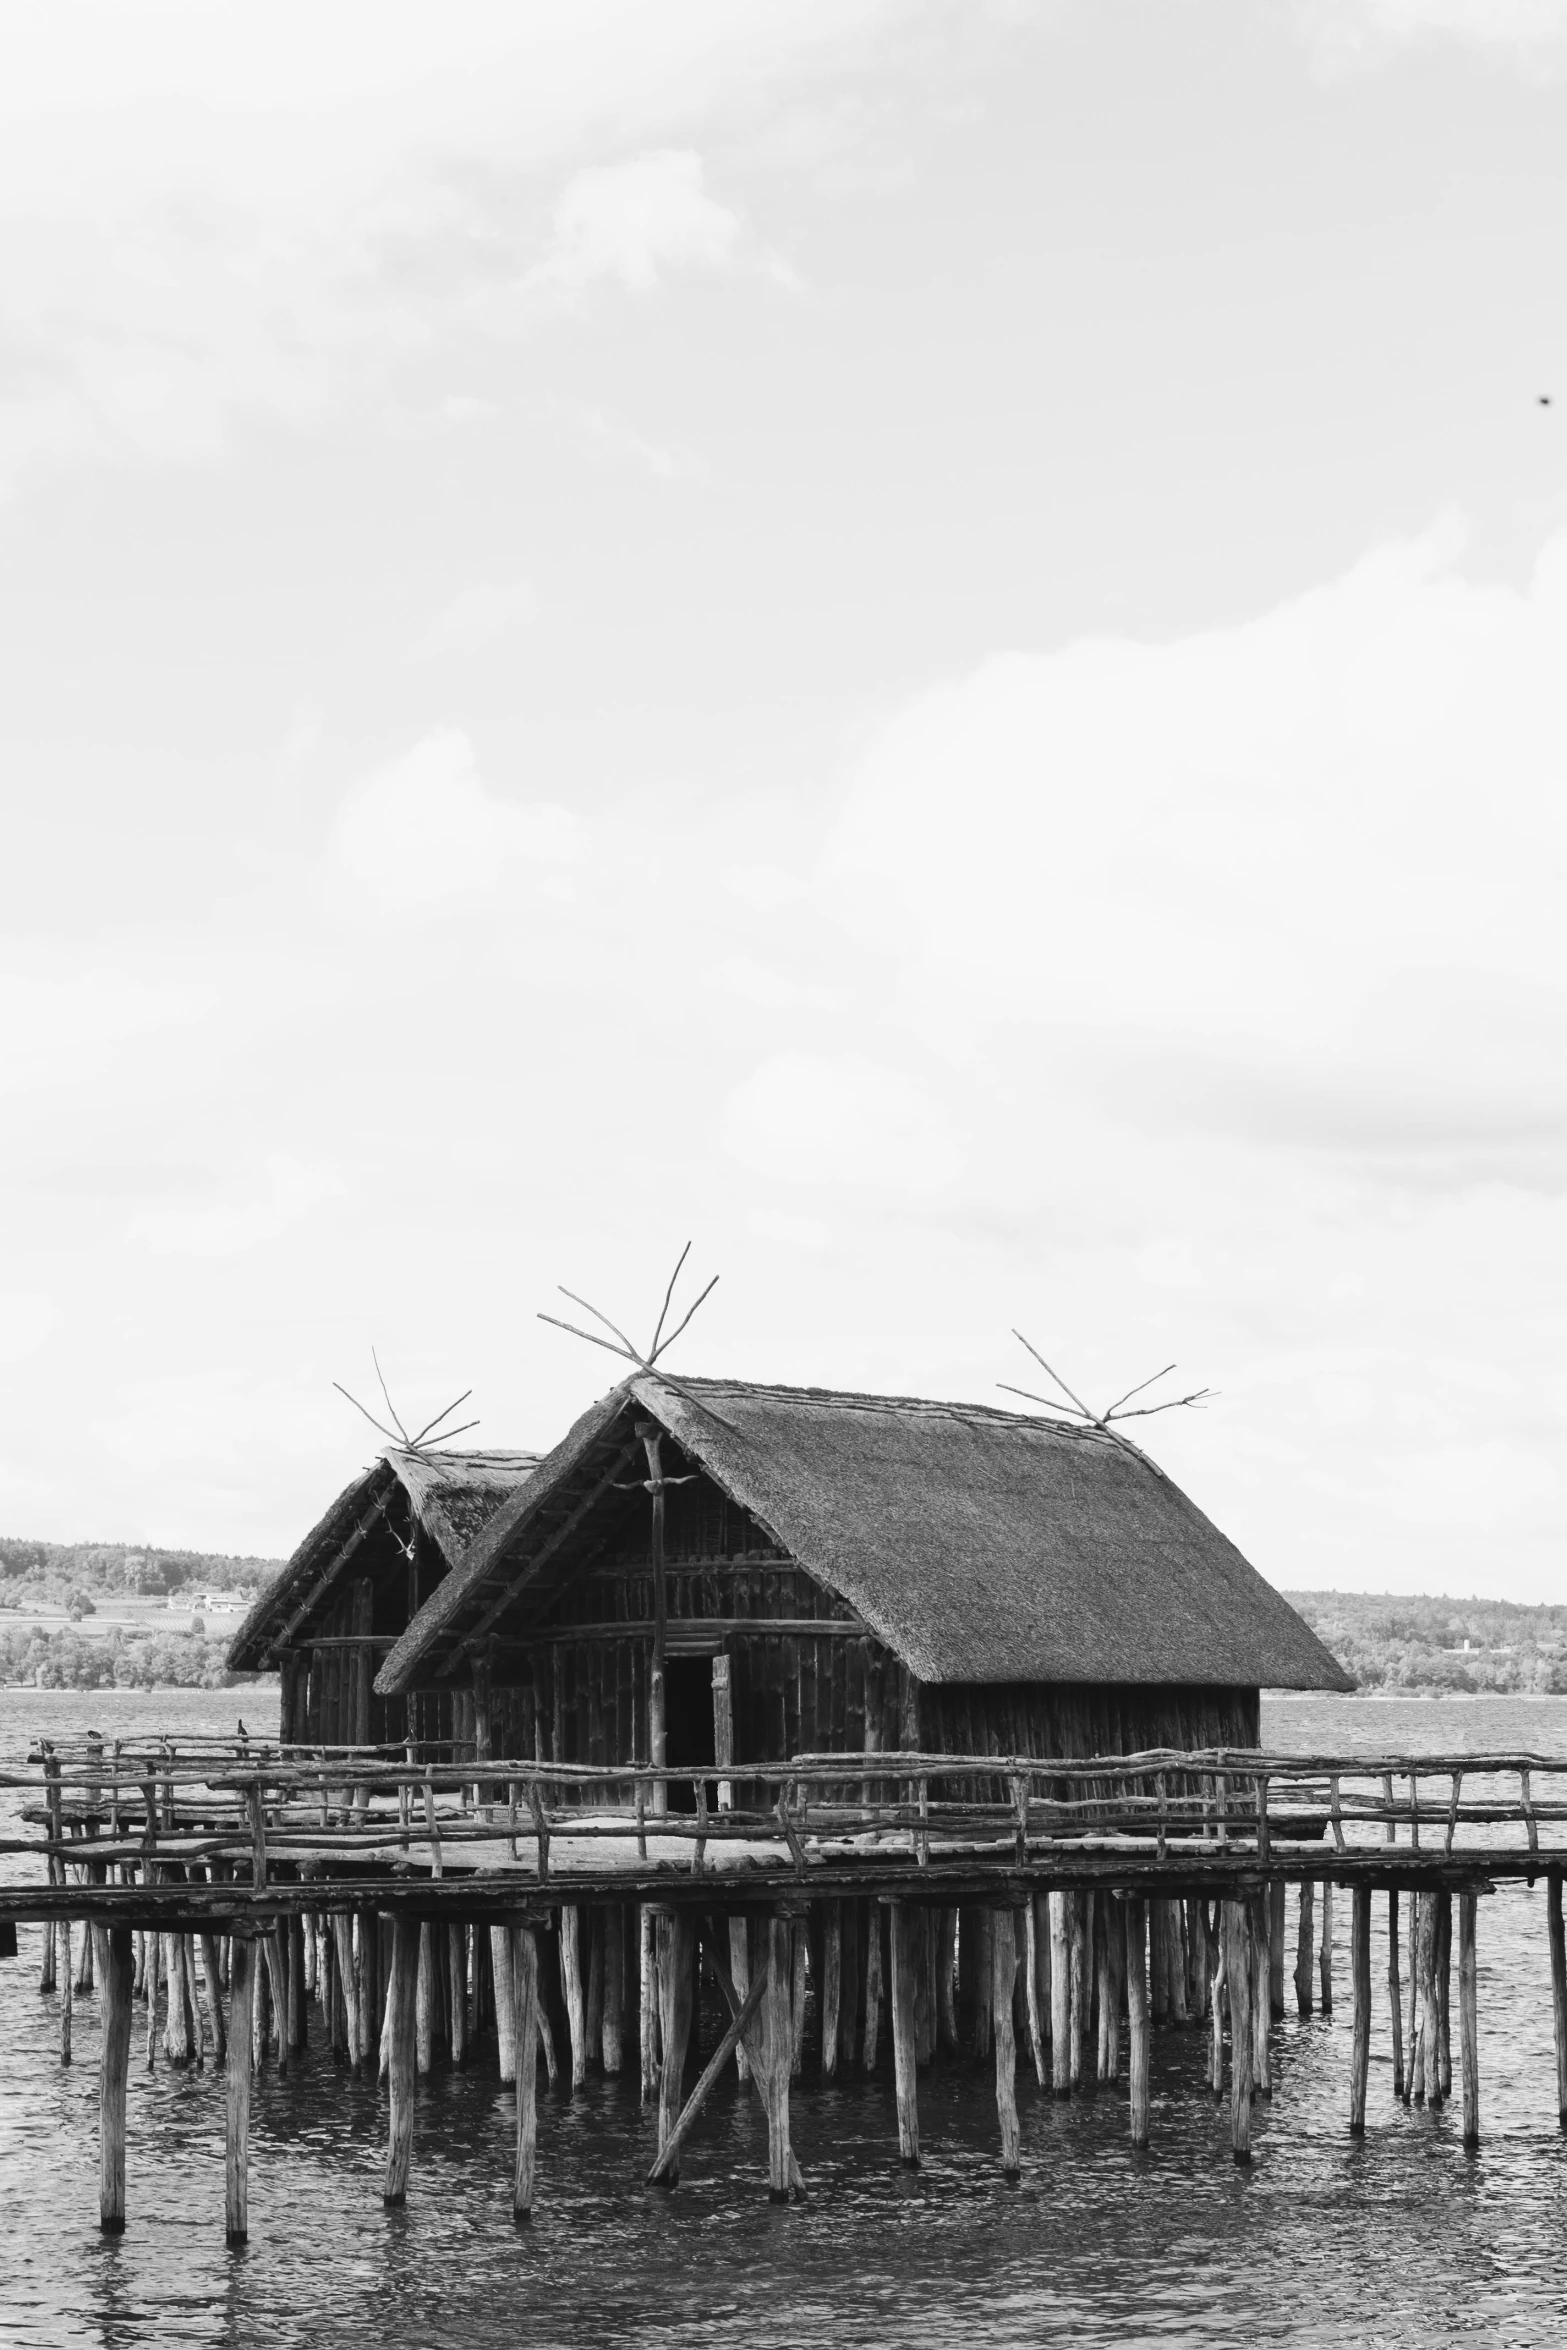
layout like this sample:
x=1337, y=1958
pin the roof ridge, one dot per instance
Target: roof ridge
x=855, y=1399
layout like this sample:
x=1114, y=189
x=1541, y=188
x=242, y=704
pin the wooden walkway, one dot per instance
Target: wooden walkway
x=1074, y=1874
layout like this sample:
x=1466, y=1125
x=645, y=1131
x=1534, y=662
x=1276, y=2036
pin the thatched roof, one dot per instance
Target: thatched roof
x=979, y=1545
x=452, y=1494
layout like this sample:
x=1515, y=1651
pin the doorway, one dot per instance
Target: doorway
x=688, y=1722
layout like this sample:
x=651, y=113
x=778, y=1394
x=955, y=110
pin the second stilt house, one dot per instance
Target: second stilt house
x=356, y=1582
x=710, y=1575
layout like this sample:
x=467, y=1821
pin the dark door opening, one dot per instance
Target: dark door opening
x=688, y=1722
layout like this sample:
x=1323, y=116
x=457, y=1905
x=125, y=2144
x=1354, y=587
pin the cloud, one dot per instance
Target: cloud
x=425, y=831
x=228, y=1227
x=27, y=1318
x=1344, y=34
x=204, y=219
x=820, y=1119
x=638, y=221
x=486, y=614
x=1300, y=878
x=61, y=1030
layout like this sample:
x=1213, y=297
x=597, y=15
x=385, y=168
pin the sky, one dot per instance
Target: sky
x=923, y=644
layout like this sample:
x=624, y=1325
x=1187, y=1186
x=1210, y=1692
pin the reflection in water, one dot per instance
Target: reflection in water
x=1399, y=2239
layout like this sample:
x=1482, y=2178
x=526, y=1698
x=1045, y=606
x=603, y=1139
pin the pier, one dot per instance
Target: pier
x=1013, y=1909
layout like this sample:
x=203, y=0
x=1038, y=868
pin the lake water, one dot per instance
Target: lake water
x=1398, y=2239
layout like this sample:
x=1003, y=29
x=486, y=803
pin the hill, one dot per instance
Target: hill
x=128, y=1615
x=1433, y=1647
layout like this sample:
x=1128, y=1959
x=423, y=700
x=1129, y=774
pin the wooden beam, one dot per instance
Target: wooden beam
x=242, y=1992
x=666, y=2163
x=118, y=1976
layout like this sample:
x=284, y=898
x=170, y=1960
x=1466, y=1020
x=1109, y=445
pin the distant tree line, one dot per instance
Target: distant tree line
x=66, y=1659
x=57, y=1570
x=1463, y=1647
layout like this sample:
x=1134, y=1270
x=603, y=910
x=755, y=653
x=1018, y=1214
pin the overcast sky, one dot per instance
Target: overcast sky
x=925, y=644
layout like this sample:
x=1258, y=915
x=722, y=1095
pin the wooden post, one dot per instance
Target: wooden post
x=593, y=2000
x=614, y=1988
x=740, y=1974
x=905, y=1924
x=1003, y=1974
x=781, y=2041
x=1444, y=1984
x=1395, y=1995
x=1553, y=1916
x=154, y=1945
x=242, y=1990
x=1107, y=2052
x=343, y=1950
x=873, y=1986
x=1060, y=1995
x=1360, y=2047
x=298, y=2019
x=524, y=1974
x=1418, y=1929
x=457, y=1981
x=648, y=2022
x=946, y=1976
x=1078, y=1988
x=424, y=1998
x=502, y=1945
x=1138, y=2031
x=1276, y=1950
x=1036, y=1921
x=676, y=1952
x=1468, y=2026
x=1213, y=1935
x=1428, y=2070
x=117, y=1979
x=1237, y=1968
x=1326, y=1950
x=402, y=1999
x=572, y=1984
x=1261, y=2054
x=830, y=1990
x=1304, y=1949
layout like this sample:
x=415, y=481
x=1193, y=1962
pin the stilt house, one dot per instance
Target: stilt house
x=356, y=1582
x=710, y=1573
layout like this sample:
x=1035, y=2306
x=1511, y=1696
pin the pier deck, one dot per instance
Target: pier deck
x=1090, y=1892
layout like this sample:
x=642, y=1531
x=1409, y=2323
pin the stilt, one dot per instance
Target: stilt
x=1261, y=1975
x=523, y=1971
x=905, y=1925
x=614, y=1988
x=356, y=2036
x=1444, y=1985
x=1060, y=1994
x=1325, y=1953
x=676, y=1951
x=741, y=1975
x=118, y=1975
x=1304, y=1946
x=1197, y=1944
x=1415, y=2087
x=1237, y=1967
x=1276, y=1950
x=1429, y=2068
x=1468, y=2025
x=1078, y=1989
x=873, y=1975
x=648, y=2032
x=780, y=2040
x=1395, y=1996
x=176, y=2026
x=298, y=2014
x=1158, y=1967
x=457, y=1965
x=424, y=1998
x=1109, y=2012
x=1175, y=1961
x=1036, y=1930
x=154, y=1944
x=799, y=1988
x=403, y=2003
x=830, y=1990
x=1558, y=1941
x=1360, y=2048
x=502, y=1945
x=1218, y=1988
x=1138, y=2031
x=68, y=1994
x=242, y=1991
x=1003, y=1974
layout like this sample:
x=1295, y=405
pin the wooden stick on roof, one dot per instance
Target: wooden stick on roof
x=1116, y=1411
x=661, y=1344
